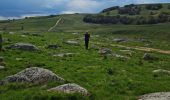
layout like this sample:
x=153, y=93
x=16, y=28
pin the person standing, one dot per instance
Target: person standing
x=86, y=39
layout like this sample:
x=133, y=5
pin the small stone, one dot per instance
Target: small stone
x=159, y=71
x=105, y=51
x=64, y=55
x=119, y=40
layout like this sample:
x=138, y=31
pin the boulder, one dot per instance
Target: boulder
x=34, y=75
x=156, y=96
x=70, y=88
x=71, y=42
x=148, y=56
x=23, y=46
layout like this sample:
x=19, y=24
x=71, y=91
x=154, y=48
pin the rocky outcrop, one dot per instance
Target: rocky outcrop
x=70, y=88
x=34, y=75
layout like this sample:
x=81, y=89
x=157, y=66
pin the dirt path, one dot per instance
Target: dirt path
x=51, y=28
x=139, y=48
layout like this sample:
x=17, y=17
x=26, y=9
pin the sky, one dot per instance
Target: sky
x=10, y=9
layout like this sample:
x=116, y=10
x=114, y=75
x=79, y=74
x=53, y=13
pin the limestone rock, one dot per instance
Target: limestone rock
x=23, y=46
x=70, y=88
x=64, y=55
x=71, y=42
x=161, y=71
x=148, y=56
x=2, y=67
x=105, y=51
x=156, y=96
x=34, y=75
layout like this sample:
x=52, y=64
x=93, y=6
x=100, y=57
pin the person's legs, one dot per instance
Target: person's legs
x=86, y=44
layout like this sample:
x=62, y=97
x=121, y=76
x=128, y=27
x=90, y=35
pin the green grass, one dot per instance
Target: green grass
x=105, y=79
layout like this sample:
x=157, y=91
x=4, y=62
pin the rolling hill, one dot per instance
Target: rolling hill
x=124, y=61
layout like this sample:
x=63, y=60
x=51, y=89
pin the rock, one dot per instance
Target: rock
x=156, y=96
x=161, y=71
x=34, y=75
x=2, y=67
x=148, y=57
x=23, y=46
x=105, y=51
x=11, y=33
x=75, y=33
x=119, y=40
x=128, y=52
x=19, y=59
x=53, y=46
x=70, y=88
x=70, y=42
x=23, y=36
x=64, y=55
x=1, y=59
x=120, y=57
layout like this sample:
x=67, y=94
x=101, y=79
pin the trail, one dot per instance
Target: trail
x=51, y=28
x=139, y=48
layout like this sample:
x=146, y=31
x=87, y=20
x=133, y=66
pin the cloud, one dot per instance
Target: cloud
x=18, y=8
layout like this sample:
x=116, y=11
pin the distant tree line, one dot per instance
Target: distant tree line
x=153, y=6
x=139, y=20
x=130, y=9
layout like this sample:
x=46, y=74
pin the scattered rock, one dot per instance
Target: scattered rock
x=23, y=46
x=70, y=42
x=70, y=88
x=105, y=51
x=120, y=57
x=75, y=33
x=128, y=52
x=148, y=56
x=19, y=59
x=64, y=55
x=120, y=40
x=2, y=67
x=156, y=96
x=1, y=59
x=161, y=71
x=23, y=36
x=11, y=33
x=34, y=75
x=53, y=46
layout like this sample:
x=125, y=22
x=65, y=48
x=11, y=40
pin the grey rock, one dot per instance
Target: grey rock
x=148, y=56
x=23, y=46
x=156, y=96
x=120, y=57
x=105, y=51
x=64, y=55
x=161, y=71
x=119, y=40
x=70, y=88
x=34, y=75
x=71, y=42
x=2, y=67
x=1, y=59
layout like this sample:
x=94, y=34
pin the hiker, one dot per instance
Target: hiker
x=86, y=39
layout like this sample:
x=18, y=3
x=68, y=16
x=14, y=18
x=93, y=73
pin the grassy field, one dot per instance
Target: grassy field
x=105, y=79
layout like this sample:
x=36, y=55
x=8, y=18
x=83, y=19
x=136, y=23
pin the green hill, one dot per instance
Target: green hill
x=124, y=72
